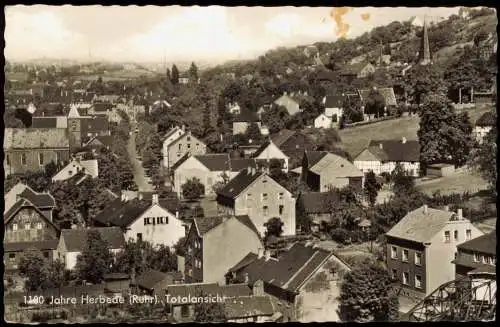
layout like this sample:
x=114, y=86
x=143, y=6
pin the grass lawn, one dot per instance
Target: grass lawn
x=355, y=139
x=461, y=181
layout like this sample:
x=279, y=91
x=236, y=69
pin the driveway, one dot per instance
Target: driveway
x=140, y=177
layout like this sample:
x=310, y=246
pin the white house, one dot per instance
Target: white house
x=483, y=126
x=383, y=156
x=73, y=241
x=87, y=167
x=323, y=121
x=210, y=169
x=268, y=151
x=172, y=135
x=152, y=221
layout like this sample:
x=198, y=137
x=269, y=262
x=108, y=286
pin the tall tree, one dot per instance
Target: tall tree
x=423, y=81
x=274, y=227
x=193, y=189
x=444, y=136
x=372, y=186
x=275, y=118
x=402, y=183
x=484, y=157
x=193, y=72
x=95, y=259
x=40, y=274
x=364, y=294
x=253, y=133
x=375, y=103
x=175, y=75
x=169, y=75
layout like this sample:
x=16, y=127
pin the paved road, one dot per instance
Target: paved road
x=139, y=173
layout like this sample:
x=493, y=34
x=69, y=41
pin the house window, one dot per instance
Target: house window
x=46, y=254
x=27, y=226
x=39, y=226
x=146, y=221
x=476, y=257
x=197, y=146
x=265, y=210
x=468, y=234
x=264, y=196
x=280, y=196
x=40, y=159
x=14, y=226
x=12, y=255
x=447, y=236
x=23, y=159
x=281, y=209
x=406, y=277
x=188, y=138
x=418, y=258
x=264, y=181
x=405, y=255
x=139, y=237
x=418, y=281
x=189, y=145
x=180, y=147
x=8, y=159
x=394, y=274
x=184, y=310
x=249, y=196
x=394, y=252
x=455, y=235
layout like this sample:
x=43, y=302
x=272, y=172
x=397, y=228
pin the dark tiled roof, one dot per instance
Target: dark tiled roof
x=282, y=136
x=290, y=270
x=239, y=183
x=122, y=214
x=13, y=209
x=487, y=119
x=106, y=140
x=43, y=122
x=484, y=244
x=245, y=220
x=41, y=200
x=334, y=101
x=116, y=276
x=180, y=161
x=214, y=162
x=396, y=150
x=96, y=124
x=102, y=106
x=248, y=306
x=238, y=164
x=313, y=157
x=150, y=278
x=38, y=245
x=248, y=259
x=247, y=116
x=76, y=239
x=316, y=202
x=205, y=224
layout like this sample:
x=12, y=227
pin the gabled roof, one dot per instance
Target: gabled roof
x=208, y=289
x=102, y=106
x=206, y=224
x=239, y=183
x=335, y=163
x=41, y=200
x=334, y=101
x=485, y=244
x=214, y=162
x=314, y=157
x=263, y=147
x=73, y=112
x=100, y=140
x=248, y=306
x=122, y=213
x=35, y=138
x=76, y=239
x=395, y=150
x=247, y=116
x=96, y=124
x=282, y=136
x=386, y=92
x=289, y=271
x=150, y=278
x=419, y=226
x=486, y=120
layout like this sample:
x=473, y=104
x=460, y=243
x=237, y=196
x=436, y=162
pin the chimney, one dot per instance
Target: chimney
x=460, y=214
x=380, y=145
x=267, y=255
x=155, y=199
x=425, y=208
x=260, y=253
x=183, y=127
x=177, y=214
x=253, y=171
x=403, y=140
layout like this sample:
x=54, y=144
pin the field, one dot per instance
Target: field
x=355, y=139
x=463, y=180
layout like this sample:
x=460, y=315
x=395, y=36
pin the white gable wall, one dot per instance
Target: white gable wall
x=273, y=152
x=322, y=121
x=167, y=234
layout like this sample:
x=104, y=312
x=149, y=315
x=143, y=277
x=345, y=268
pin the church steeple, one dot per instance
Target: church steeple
x=425, y=52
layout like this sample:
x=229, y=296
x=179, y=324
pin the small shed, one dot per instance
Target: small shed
x=440, y=170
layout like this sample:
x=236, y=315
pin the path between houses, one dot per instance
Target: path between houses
x=140, y=177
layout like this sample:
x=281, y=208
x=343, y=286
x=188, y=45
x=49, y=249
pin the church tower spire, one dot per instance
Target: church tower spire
x=425, y=52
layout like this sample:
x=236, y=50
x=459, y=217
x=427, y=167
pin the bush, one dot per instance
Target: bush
x=341, y=235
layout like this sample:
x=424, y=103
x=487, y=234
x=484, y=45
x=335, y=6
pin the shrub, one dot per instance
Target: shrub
x=341, y=235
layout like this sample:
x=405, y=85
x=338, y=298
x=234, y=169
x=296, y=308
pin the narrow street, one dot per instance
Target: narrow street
x=140, y=177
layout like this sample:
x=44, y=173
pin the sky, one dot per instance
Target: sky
x=175, y=33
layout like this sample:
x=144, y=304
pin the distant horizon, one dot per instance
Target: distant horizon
x=213, y=34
